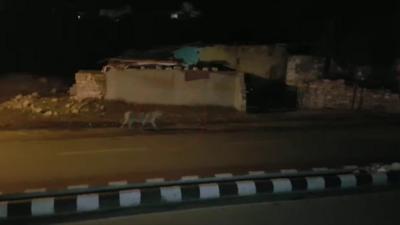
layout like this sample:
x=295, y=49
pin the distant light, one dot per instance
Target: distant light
x=174, y=16
x=79, y=17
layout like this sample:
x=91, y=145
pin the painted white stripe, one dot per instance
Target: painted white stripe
x=87, y=202
x=223, y=175
x=320, y=169
x=289, y=171
x=171, y=194
x=379, y=178
x=3, y=208
x=155, y=180
x=350, y=167
x=190, y=178
x=118, y=183
x=395, y=166
x=257, y=173
x=348, y=180
x=246, y=188
x=42, y=206
x=209, y=191
x=39, y=190
x=315, y=183
x=282, y=185
x=115, y=150
x=129, y=198
x=80, y=186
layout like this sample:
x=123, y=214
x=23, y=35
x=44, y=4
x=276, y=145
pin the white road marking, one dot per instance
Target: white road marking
x=282, y=185
x=39, y=190
x=129, y=198
x=320, y=169
x=257, y=173
x=379, y=179
x=348, y=180
x=289, y=171
x=315, y=183
x=118, y=183
x=89, y=202
x=3, y=209
x=223, y=175
x=246, y=188
x=251, y=142
x=350, y=167
x=80, y=186
x=155, y=180
x=209, y=191
x=113, y=150
x=171, y=194
x=190, y=178
x=42, y=206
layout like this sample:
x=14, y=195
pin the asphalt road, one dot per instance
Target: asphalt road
x=56, y=163
x=363, y=209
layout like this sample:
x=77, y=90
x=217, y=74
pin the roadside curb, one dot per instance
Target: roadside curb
x=125, y=197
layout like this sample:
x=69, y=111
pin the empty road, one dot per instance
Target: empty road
x=55, y=163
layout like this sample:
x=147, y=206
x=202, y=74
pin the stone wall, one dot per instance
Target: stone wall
x=303, y=68
x=330, y=94
x=89, y=84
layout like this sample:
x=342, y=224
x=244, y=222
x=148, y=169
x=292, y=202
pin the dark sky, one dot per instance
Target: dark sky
x=45, y=36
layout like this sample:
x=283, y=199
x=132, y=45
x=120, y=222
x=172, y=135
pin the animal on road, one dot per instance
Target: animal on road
x=130, y=118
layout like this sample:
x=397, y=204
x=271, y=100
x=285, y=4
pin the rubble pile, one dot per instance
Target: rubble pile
x=87, y=106
x=52, y=107
x=24, y=103
x=88, y=84
x=335, y=94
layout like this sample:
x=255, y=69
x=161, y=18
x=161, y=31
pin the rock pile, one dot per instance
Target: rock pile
x=24, y=103
x=77, y=107
x=52, y=107
x=88, y=84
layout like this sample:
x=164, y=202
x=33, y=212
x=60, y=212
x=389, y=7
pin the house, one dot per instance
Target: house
x=215, y=75
x=163, y=83
x=158, y=83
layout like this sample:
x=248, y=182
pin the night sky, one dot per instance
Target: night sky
x=46, y=36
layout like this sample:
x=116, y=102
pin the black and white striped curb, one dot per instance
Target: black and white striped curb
x=88, y=201
x=215, y=177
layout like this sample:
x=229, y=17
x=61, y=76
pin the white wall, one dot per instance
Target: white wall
x=168, y=87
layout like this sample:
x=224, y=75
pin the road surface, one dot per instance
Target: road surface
x=57, y=163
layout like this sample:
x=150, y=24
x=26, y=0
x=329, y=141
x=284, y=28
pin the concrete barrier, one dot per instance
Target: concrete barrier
x=119, y=197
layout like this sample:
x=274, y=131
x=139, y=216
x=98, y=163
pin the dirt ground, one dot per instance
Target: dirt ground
x=34, y=102
x=24, y=83
x=64, y=112
x=30, y=101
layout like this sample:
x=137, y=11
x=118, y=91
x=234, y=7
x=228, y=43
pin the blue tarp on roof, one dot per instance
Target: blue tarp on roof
x=188, y=55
